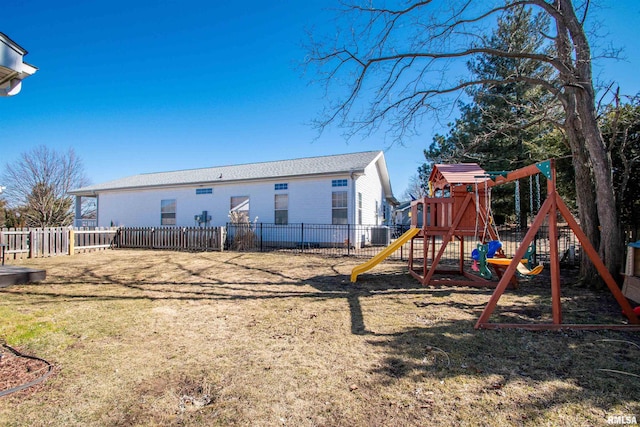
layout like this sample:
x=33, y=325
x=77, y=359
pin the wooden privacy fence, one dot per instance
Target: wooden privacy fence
x=89, y=240
x=46, y=242
x=174, y=238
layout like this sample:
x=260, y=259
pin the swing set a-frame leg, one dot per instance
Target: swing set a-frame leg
x=511, y=269
x=551, y=206
x=597, y=262
x=554, y=259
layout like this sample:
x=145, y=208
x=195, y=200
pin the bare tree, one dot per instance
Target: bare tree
x=398, y=64
x=415, y=188
x=3, y=214
x=39, y=181
x=620, y=125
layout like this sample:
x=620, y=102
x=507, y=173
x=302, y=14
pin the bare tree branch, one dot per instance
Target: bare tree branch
x=397, y=68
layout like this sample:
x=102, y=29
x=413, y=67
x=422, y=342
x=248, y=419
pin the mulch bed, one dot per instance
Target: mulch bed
x=16, y=370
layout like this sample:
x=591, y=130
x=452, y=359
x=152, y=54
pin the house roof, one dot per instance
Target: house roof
x=308, y=166
x=459, y=173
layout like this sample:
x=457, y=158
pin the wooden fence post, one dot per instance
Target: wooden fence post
x=72, y=241
x=32, y=243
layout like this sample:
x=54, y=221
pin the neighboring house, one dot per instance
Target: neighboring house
x=12, y=68
x=402, y=214
x=341, y=189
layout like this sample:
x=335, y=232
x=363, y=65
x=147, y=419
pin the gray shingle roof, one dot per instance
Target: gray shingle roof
x=341, y=163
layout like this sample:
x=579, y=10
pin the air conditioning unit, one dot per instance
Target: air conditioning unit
x=380, y=236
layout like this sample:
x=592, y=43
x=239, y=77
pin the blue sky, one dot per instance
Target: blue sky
x=149, y=86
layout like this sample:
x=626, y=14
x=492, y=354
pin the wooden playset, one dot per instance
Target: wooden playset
x=457, y=212
x=459, y=208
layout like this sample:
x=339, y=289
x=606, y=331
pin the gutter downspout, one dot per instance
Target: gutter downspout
x=11, y=86
x=354, y=207
x=354, y=203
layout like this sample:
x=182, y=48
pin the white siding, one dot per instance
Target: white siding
x=372, y=193
x=309, y=202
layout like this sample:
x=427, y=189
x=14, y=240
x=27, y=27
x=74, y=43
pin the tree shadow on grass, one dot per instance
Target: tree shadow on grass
x=560, y=369
x=101, y=281
x=588, y=366
x=564, y=369
x=204, y=285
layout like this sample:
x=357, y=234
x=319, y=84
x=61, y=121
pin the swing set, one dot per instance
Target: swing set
x=459, y=207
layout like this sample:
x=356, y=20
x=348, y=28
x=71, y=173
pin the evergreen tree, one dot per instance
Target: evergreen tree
x=395, y=64
x=505, y=126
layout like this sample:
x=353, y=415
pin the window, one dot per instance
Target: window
x=239, y=209
x=339, y=183
x=204, y=190
x=339, y=207
x=168, y=212
x=283, y=186
x=282, y=209
x=359, y=208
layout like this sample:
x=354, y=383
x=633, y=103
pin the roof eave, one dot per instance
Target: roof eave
x=381, y=165
x=92, y=192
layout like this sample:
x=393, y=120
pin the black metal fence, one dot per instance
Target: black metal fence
x=342, y=239
x=368, y=240
x=569, y=248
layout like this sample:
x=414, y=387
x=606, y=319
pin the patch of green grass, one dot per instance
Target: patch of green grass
x=18, y=328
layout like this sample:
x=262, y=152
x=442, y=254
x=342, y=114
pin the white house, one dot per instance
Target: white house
x=341, y=189
x=12, y=67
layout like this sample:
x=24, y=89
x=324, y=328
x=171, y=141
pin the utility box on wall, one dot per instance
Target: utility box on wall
x=633, y=260
x=202, y=219
x=631, y=286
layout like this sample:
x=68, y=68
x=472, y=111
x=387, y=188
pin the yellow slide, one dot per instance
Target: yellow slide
x=383, y=253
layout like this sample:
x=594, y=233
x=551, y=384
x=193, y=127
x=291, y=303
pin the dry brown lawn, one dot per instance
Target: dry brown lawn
x=167, y=338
